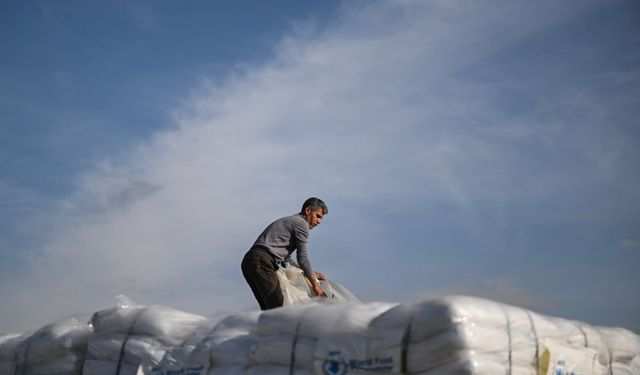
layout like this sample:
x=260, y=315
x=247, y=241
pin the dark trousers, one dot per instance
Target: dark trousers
x=259, y=269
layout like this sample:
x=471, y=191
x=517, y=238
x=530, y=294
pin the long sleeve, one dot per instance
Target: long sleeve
x=302, y=238
x=284, y=236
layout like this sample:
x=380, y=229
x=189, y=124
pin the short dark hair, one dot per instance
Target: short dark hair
x=314, y=203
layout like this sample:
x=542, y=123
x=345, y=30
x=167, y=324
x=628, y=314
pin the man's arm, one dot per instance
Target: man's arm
x=302, y=236
x=309, y=274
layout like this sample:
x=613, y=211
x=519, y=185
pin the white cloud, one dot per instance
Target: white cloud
x=631, y=244
x=375, y=110
x=504, y=290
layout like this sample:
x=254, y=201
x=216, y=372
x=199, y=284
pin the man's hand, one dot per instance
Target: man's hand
x=313, y=279
x=320, y=276
x=319, y=292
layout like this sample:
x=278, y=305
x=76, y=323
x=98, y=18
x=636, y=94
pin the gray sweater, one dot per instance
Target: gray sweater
x=284, y=236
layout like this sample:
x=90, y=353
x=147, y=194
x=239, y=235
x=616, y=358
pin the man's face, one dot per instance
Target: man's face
x=313, y=217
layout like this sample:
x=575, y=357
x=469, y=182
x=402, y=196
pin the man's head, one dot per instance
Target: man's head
x=313, y=211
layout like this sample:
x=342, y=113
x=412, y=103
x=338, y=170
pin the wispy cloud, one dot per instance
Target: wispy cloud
x=630, y=244
x=383, y=111
x=498, y=289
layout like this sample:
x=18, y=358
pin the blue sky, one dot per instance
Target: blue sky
x=473, y=148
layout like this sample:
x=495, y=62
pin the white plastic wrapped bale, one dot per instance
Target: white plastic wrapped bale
x=184, y=359
x=219, y=345
x=8, y=345
x=275, y=370
x=129, y=334
x=279, y=340
x=423, y=336
x=345, y=332
x=297, y=289
x=57, y=348
x=231, y=341
x=296, y=338
x=624, y=350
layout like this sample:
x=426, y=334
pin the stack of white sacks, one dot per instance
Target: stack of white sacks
x=234, y=344
x=446, y=336
x=453, y=335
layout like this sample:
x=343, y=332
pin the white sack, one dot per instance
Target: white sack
x=130, y=335
x=188, y=358
x=275, y=370
x=219, y=346
x=306, y=334
x=283, y=350
x=232, y=339
x=167, y=325
x=296, y=288
x=129, y=349
x=623, y=344
x=55, y=348
x=99, y=367
x=8, y=345
x=226, y=370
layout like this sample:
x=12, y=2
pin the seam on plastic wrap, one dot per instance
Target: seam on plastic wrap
x=294, y=344
x=181, y=345
x=535, y=337
x=126, y=339
x=508, y=321
x=23, y=367
x=201, y=344
x=405, y=348
x=584, y=335
x=86, y=349
x=406, y=337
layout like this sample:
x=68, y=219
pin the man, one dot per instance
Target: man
x=275, y=246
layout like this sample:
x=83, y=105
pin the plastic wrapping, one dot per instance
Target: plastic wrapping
x=96, y=366
x=221, y=345
x=8, y=345
x=188, y=358
x=452, y=335
x=129, y=335
x=623, y=348
x=480, y=336
x=296, y=337
x=275, y=370
x=165, y=324
x=231, y=341
x=57, y=348
x=297, y=289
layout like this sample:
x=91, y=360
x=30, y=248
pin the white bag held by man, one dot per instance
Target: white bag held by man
x=296, y=288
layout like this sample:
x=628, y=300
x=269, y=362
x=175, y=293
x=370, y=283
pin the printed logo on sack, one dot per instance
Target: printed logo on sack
x=335, y=364
x=560, y=369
